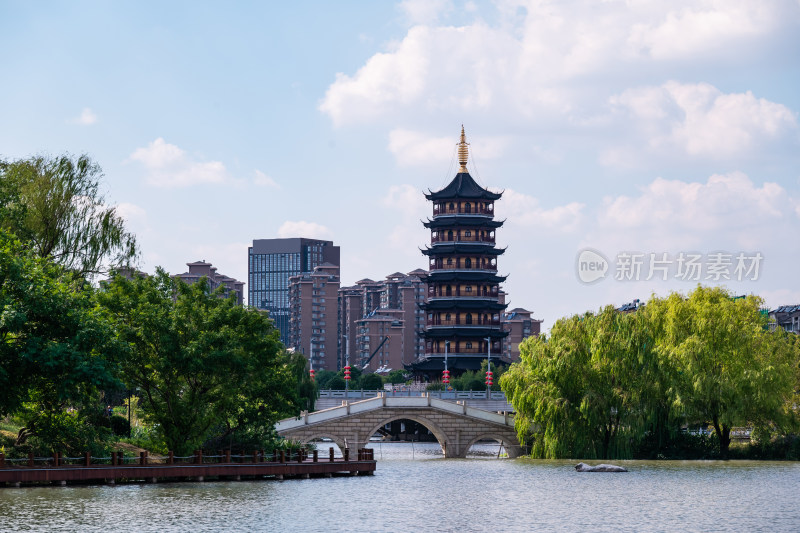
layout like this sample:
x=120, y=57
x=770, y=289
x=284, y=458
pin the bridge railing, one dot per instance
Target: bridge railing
x=406, y=393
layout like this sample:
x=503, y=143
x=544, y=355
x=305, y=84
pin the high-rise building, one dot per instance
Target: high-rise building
x=520, y=326
x=313, y=324
x=271, y=262
x=380, y=322
x=464, y=308
x=199, y=269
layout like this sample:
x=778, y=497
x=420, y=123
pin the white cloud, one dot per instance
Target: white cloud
x=301, y=228
x=703, y=27
x=417, y=148
x=552, y=62
x=262, y=180
x=412, y=207
x=701, y=120
x=131, y=212
x=727, y=210
x=524, y=210
x=86, y=118
x=170, y=166
x=425, y=11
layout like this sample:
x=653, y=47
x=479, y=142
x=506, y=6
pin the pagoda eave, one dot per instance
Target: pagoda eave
x=443, y=221
x=462, y=248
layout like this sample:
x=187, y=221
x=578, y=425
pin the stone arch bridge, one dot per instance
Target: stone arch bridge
x=455, y=425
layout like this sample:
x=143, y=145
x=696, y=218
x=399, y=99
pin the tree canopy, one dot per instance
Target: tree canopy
x=203, y=365
x=601, y=383
x=55, y=206
x=56, y=349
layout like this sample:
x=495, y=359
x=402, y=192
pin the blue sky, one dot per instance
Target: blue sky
x=627, y=127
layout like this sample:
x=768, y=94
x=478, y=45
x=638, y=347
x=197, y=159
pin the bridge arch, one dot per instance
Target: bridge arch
x=323, y=435
x=431, y=426
x=512, y=448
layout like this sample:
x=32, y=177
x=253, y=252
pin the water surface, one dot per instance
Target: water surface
x=415, y=489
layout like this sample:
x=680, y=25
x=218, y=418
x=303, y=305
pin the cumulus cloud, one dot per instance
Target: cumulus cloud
x=425, y=11
x=411, y=206
x=169, y=166
x=418, y=148
x=524, y=210
x=543, y=59
x=726, y=210
x=301, y=228
x=86, y=118
x=131, y=212
x=702, y=120
x=262, y=180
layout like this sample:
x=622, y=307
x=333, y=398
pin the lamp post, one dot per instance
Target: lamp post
x=489, y=381
x=446, y=373
x=346, y=369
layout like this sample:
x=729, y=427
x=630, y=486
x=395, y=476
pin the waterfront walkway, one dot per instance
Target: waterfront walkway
x=197, y=467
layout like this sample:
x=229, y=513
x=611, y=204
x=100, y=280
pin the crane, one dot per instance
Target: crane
x=366, y=363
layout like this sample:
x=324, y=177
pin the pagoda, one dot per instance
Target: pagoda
x=464, y=307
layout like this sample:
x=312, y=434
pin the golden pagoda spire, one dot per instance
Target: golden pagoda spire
x=463, y=152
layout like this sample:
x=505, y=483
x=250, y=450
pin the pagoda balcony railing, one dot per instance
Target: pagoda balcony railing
x=459, y=239
x=491, y=269
x=462, y=211
x=457, y=293
x=461, y=351
x=465, y=296
x=475, y=323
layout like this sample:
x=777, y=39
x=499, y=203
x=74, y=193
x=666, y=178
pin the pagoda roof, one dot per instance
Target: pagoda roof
x=462, y=248
x=463, y=186
x=467, y=304
x=435, y=363
x=472, y=221
x=460, y=275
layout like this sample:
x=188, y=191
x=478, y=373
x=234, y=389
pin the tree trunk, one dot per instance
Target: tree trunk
x=724, y=435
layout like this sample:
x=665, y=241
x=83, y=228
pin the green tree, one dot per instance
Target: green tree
x=574, y=388
x=323, y=379
x=371, y=382
x=732, y=371
x=306, y=388
x=202, y=364
x=55, y=207
x=57, y=352
x=396, y=376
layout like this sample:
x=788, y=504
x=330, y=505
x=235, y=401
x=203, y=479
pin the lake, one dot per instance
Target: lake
x=416, y=489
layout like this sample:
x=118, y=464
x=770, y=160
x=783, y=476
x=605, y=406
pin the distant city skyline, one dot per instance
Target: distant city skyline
x=646, y=133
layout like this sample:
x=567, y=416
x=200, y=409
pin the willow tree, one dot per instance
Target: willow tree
x=60, y=213
x=731, y=369
x=574, y=388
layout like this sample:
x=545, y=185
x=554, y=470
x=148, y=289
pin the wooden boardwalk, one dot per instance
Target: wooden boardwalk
x=199, y=469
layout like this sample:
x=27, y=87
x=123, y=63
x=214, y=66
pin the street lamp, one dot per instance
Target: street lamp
x=489, y=381
x=346, y=369
x=446, y=373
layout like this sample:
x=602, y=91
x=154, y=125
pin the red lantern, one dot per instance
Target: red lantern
x=311, y=374
x=446, y=377
x=347, y=373
x=489, y=380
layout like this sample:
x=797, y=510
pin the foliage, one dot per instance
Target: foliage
x=323, y=378
x=306, y=391
x=336, y=383
x=55, y=206
x=203, y=365
x=57, y=351
x=371, y=382
x=732, y=371
x=119, y=425
x=396, y=376
x=613, y=384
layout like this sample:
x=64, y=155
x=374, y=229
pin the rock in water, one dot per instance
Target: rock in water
x=583, y=467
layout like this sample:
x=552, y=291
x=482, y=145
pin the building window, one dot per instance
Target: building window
x=468, y=208
x=468, y=289
x=468, y=233
x=468, y=262
x=469, y=345
x=469, y=318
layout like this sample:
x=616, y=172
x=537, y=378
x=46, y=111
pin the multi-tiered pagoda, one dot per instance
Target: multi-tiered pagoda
x=464, y=306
